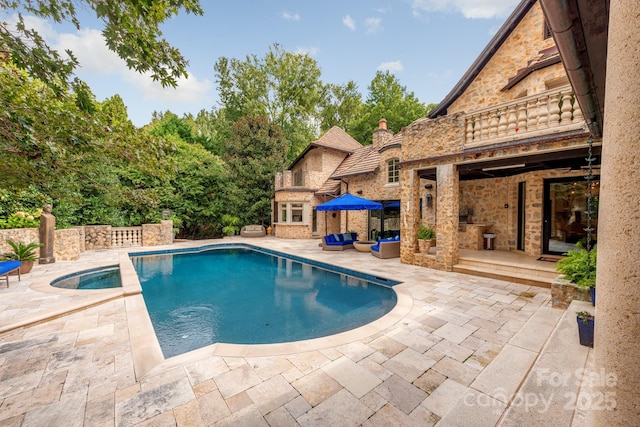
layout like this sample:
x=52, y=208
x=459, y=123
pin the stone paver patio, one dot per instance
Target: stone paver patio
x=455, y=352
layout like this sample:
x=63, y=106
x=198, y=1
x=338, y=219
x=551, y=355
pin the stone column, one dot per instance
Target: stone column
x=617, y=339
x=448, y=191
x=47, y=235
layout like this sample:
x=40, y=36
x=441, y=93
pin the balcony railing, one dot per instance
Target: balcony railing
x=544, y=113
x=126, y=236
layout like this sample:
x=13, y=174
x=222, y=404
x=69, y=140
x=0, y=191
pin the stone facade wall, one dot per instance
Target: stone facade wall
x=157, y=234
x=427, y=138
x=304, y=229
x=97, y=236
x=519, y=48
x=25, y=235
x=68, y=244
x=564, y=291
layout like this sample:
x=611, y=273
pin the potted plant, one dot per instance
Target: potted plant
x=231, y=224
x=585, y=328
x=25, y=253
x=579, y=267
x=426, y=238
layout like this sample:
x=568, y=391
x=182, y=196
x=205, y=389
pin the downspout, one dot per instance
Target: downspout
x=564, y=29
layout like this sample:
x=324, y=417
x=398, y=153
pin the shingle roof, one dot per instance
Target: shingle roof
x=364, y=160
x=331, y=186
x=395, y=140
x=335, y=139
x=338, y=139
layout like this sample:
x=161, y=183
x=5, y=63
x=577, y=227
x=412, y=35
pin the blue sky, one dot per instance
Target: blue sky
x=427, y=44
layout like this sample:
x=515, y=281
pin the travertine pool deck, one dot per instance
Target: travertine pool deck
x=455, y=351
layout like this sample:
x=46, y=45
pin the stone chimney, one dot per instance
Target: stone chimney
x=382, y=134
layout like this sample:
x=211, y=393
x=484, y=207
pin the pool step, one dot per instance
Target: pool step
x=541, y=276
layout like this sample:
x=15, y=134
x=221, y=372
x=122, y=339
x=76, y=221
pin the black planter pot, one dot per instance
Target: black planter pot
x=585, y=331
x=592, y=291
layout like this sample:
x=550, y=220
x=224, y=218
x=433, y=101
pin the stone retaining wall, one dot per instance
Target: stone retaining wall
x=71, y=242
x=564, y=291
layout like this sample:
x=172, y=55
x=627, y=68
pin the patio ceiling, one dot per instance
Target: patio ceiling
x=568, y=159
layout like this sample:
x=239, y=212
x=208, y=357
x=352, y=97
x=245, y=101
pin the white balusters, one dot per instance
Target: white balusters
x=523, y=117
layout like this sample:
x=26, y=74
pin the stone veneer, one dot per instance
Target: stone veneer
x=522, y=46
x=71, y=242
x=564, y=291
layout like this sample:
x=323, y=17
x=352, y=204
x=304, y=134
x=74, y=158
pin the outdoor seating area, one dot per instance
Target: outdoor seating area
x=387, y=248
x=255, y=230
x=338, y=241
x=8, y=267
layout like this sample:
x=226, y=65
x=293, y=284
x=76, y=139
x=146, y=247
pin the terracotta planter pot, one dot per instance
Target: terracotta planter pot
x=425, y=245
x=26, y=267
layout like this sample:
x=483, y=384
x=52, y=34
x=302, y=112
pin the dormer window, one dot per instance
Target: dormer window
x=393, y=171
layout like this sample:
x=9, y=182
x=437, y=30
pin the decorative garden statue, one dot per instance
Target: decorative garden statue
x=47, y=235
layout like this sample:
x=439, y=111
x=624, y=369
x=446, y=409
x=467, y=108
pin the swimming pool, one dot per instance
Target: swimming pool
x=241, y=295
x=96, y=278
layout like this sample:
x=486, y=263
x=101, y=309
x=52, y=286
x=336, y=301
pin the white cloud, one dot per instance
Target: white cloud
x=188, y=90
x=373, y=24
x=98, y=62
x=391, y=66
x=471, y=9
x=349, y=22
x=311, y=51
x=290, y=16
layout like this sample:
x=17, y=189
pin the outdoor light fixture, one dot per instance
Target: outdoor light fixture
x=429, y=200
x=166, y=214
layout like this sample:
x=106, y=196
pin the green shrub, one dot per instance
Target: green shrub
x=579, y=267
x=21, y=219
x=426, y=233
x=22, y=251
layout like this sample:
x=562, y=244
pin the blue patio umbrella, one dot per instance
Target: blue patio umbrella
x=348, y=202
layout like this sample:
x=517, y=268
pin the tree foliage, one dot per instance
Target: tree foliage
x=390, y=100
x=131, y=29
x=256, y=150
x=285, y=87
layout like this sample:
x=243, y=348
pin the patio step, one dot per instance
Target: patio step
x=528, y=275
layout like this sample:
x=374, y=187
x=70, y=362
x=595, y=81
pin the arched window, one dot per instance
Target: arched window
x=393, y=171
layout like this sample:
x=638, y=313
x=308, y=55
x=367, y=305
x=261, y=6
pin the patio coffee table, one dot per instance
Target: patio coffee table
x=363, y=245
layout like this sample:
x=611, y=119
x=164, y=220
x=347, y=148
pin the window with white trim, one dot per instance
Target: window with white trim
x=292, y=213
x=393, y=171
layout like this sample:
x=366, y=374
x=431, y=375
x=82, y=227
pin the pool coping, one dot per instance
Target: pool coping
x=145, y=348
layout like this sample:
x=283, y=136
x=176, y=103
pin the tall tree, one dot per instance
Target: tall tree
x=285, y=87
x=131, y=29
x=341, y=106
x=256, y=150
x=390, y=100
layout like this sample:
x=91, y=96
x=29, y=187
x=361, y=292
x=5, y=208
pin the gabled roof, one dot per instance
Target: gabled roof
x=364, y=160
x=331, y=186
x=335, y=139
x=503, y=33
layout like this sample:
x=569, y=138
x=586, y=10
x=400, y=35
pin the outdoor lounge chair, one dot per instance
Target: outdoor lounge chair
x=387, y=248
x=338, y=241
x=7, y=267
x=255, y=230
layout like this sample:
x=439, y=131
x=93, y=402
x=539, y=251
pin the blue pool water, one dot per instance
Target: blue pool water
x=243, y=296
x=97, y=278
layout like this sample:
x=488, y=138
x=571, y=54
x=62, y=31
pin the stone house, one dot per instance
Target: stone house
x=503, y=153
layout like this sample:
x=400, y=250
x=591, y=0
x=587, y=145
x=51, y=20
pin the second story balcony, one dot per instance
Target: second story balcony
x=548, y=112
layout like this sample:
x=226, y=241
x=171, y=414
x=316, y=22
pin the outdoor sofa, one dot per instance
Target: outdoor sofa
x=339, y=241
x=255, y=230
x=7, y=267
x=387, y=248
